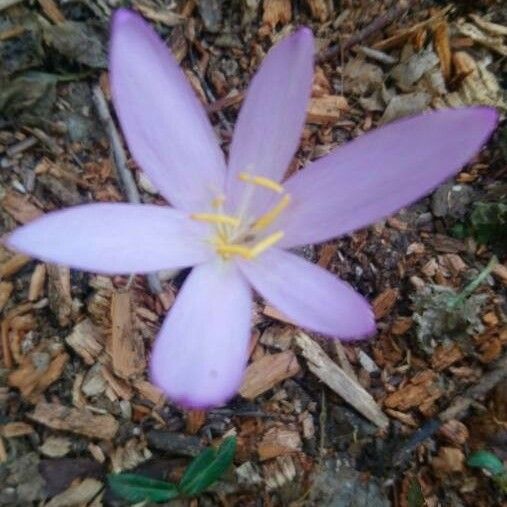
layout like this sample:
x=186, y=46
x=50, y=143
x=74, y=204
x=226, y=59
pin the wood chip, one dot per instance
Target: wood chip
x=422, y=388
x=19, y=207
x=488, y=26
x=384, y=303
x=150, y=392
x=278, y=442
x=318, y=9
x=5, y=293
x=402, y=36
x=5, y=329
x=36, y=289
x=126, y=347
x=80, y=421
x=59, y=293
x=445, y=356
x=499, y=270
x=449, y=460
x=491, y=42
x=52, y=11
x=278, y=337
x=279, y=473
x=119, y=386
x=86, y=339
x=443, y=47
x=56, y=447
x=333, y=376
x=275, y=12
x=77, y=494
x=194, y=421
x=455, y=432
x=326, y=110
x=15, y=429
x=273, y=313
x=37, y=372
x=268, y=371
x=13, y=265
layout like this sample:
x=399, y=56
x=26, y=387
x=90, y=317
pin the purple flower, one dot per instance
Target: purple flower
x=234, y=222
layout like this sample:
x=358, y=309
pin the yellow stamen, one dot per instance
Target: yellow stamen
x=248, y=253
x=265, y=244
x=225, y=249
x=270, y=216
x=216, y=218
x=261, y=181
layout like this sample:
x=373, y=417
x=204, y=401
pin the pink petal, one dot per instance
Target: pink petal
x=202, y=349
x=165, y=126
x=271, y=119
x=378, y=173
x=114, y=238
x=309, y=296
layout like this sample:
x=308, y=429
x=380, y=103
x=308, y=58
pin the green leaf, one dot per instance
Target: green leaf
x=136, y=488
x=415, y=496
x=207, y=468
x=486, y=460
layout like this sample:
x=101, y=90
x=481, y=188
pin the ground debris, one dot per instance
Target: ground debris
x=38, y=370
x=77, y=494
x=419, y=392
x=266, y=372
x=80, y=421
x=332, y=375
x=278, y=442
x=87, y=340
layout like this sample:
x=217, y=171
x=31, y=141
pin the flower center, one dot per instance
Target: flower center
x=240, y=235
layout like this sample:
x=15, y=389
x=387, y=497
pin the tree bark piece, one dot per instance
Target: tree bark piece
x=80, y=421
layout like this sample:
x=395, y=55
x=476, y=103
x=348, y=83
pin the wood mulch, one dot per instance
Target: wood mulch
x=402, y=412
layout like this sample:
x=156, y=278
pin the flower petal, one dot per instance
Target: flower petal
x=271, y=119
x=310, y=296
x=165, y=126
x=115, y=238
x=202, y=349
x=378, y=173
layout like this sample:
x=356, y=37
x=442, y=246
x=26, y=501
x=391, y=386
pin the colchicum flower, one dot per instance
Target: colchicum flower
x=234, y=222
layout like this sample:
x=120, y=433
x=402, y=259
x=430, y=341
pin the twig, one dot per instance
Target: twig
x=120, y=161
x=22, y=146
x=457, y=410
x=375, y=26
x=331, y=374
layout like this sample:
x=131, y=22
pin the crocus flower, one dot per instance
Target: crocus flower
x=233, y=222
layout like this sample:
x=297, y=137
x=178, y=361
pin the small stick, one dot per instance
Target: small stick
x=22, y=146
x=321, y=365
x=120, y=160
x=46, y=140
x=375, y=26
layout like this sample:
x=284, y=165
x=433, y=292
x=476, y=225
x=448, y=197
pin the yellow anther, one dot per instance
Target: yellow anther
x=218, y=202
x=270, y=216
x=216, y=218
x=267, y=242
x=261, y=181
x=246, y=252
